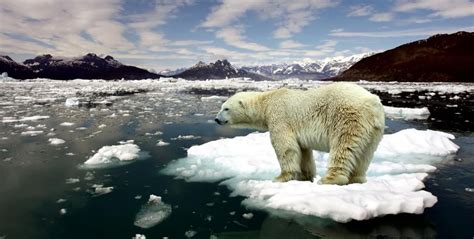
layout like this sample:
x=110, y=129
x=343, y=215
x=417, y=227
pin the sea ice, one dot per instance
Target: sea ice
x=139, y=236
x=190, y=233
x=394, y=179
x=62, y=211
x=56, y=141
x=29, y=118
x=406, y=113
x=99, y=190
x=152, y=213
x=66, y=124
x=162, y=143
x=186, y=137
x=32, y=132
x=115, y=155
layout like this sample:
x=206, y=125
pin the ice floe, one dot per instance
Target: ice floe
x=406, y=113
x=186, y=137
x=152, y=213
x=139, y=236
x=67, y=124
x=162, y=143
x=29, y=118
x=115, y=155
x=99, y=189
x=56, y=141
x=32, y=132
x=247, y=165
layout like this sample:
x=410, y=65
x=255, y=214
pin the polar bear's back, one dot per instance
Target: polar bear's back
x=315, y=115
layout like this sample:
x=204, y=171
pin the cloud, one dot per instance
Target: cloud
x=289, y=16
x=360, y=11
x=440, y=8
x=233, y=36
x=382, y=17
x=403, y=33
x=289, y=44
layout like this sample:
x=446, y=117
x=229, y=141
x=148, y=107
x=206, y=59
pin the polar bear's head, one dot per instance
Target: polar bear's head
x=240, y=111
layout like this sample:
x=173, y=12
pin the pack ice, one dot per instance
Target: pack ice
x=247, y=165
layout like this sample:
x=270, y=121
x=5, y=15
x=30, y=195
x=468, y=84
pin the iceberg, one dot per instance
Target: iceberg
x=394, y=178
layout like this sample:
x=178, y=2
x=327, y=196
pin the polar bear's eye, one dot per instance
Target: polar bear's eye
x=226, y=109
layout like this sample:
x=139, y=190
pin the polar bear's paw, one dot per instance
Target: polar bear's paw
x=288, y=176
x=339, y=180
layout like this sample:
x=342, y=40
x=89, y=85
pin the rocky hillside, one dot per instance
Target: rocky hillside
x=220, y=69
x=89, y=66
x=444, y=57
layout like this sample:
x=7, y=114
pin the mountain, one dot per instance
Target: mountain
x=89, y=66
x=443, y=57
x=14, y=69
x=169, y=72
x=311, y=70
x=220, y=69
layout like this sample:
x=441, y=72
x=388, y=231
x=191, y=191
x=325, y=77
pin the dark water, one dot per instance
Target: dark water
x=33, y=177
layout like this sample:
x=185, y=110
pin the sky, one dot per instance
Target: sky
x=167, y=34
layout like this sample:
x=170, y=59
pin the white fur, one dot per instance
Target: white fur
x=342, y=118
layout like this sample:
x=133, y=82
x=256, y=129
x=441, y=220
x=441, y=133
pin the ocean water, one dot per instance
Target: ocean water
x=44, y=193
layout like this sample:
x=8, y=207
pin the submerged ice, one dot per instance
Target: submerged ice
x=152, y=213
x=394, y=179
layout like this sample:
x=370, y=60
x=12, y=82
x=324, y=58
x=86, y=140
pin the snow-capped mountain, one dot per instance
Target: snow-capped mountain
x=317, y=69
x=169, y=72
x=220, y=69
x=89, y=66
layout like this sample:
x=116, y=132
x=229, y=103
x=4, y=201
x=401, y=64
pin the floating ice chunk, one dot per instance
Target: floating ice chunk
x=72, y=180
x=155, y=133
x=247, y=216
x=61, y=200
x=406, y=113
x=190, y=233
x=72, y=102
x=213, y=98
x=186, y=137
x=29, y=118
x=115, y=155
x=99, y=190
x=162, y=143
x=102, y=126
x=32, y=132
x=67, y=124
x=139, y=236
x=152, y=213
x=62, y=211
x=394, y=179
x=56, y=141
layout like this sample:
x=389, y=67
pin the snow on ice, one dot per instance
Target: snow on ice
x=152, y=213
x=394, y=183
x=406, y=113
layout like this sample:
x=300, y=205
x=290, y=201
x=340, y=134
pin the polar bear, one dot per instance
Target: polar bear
x=343, y=119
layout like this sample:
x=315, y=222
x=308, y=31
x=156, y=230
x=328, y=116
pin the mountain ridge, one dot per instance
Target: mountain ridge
x=89, y=66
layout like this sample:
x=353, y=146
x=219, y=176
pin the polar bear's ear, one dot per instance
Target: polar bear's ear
x=241, y=103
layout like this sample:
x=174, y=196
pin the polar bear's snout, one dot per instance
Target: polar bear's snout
x=220, y=119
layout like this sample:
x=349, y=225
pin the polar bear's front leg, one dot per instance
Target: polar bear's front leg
x=289, y=156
